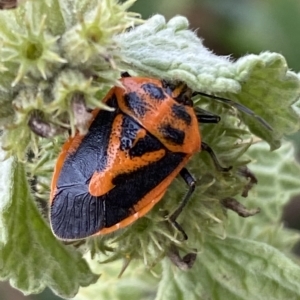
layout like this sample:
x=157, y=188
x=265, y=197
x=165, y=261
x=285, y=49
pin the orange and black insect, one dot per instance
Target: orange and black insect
x=123, y=166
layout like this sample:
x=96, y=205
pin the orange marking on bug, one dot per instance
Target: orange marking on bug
x=140, y=135
x=118, y=161
x=147, y=202
x=160, y=112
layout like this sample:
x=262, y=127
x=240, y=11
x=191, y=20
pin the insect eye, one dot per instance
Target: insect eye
x=168, y=87
x=179, y=91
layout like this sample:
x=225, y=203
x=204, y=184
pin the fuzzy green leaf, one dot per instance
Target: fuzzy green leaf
x=136, y=283
x=262, y=82
x=278, y=178
x=30, y=257
x=172, y=51
x=235, y=269
x=270, y=90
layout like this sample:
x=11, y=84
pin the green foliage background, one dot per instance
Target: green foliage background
x=237, y=27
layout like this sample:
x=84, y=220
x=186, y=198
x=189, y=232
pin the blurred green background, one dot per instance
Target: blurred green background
x=228, y=27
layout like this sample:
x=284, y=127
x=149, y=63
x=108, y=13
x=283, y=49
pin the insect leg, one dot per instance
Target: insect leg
x=238, y=106
x=191, y=182
x=204, y=116
x=205, y=147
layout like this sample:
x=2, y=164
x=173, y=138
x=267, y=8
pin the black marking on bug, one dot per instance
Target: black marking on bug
x=146, y=145
x=136, y=104
x=129, y=131
x=135, y=185
x=180, y=112
x=76, y=214
x=172, y=135
x=154, y=91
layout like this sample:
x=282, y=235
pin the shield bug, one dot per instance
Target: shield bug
x=113, y=175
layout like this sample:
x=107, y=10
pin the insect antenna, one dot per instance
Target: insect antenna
x=238, y=106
